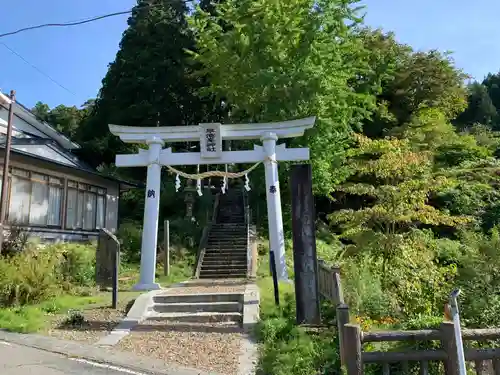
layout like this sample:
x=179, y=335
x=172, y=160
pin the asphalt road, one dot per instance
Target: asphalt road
x=21, y=360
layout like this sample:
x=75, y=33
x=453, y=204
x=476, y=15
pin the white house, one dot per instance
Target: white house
x=53, y=194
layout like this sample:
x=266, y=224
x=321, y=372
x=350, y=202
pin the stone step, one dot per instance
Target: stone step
x=240, y=244
x=227, y=273
x=228, y=239
x=227, y=225
x=223, y=267
x=197, y=298
x=226, y=248
x=223, y=276
x=241, y=250
x=202, y=317
x=229, y=252
x=197, y=307
x=228, y=231
x=219, y=264
x=224, y=260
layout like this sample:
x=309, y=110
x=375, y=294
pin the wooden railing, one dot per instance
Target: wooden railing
x=330, y=286
x=204, y=237
x=354, y=358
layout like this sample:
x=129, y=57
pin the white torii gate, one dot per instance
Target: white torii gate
x=210, y=137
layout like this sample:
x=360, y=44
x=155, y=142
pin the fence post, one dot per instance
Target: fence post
x=342, y=320
x=166, y=245
x=352, y=340
x=339, y=294
x=451, y=365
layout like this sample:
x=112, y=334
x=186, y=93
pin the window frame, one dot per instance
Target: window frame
x=82, y=189
x=65, y=186
x=50, y=181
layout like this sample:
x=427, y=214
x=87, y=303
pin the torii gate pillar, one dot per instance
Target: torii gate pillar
x=274, y=215
x=151, y=212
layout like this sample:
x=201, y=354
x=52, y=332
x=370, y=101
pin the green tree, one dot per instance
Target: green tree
x=150, y=81
x=66, y=120
x=395, y=182
x=480, y=108
x=405, y=82
x=492, y=83
x=277, y=61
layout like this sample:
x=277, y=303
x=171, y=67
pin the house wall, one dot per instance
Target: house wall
x=68, y=173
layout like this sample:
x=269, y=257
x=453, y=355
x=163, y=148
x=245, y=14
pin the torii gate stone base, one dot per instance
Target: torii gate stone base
x=210, y=137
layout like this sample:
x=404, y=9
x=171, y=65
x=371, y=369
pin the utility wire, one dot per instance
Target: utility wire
x=87, y=20
x=37, y=69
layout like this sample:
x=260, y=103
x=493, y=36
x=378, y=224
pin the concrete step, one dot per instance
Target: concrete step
x=226, y=225
x=216, y=263
x=223, y=276
x=224, y=233
x=227, y=239
x=226, y=253
x=223, y=267
x=221, y=260
x=197, y=307
x=225, y=273
x=197, y=298
x=202, y=317
x=226, y=248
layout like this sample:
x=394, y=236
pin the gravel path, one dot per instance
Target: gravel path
x=209, y=347
x=96, y=323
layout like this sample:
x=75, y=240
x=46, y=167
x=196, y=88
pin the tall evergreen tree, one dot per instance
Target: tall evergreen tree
x=151, y=80
x=480, y=108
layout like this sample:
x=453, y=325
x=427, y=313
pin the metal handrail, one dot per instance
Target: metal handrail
x=204, y=237
x=246, y=208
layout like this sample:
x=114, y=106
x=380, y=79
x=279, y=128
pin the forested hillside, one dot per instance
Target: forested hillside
x=404, y=152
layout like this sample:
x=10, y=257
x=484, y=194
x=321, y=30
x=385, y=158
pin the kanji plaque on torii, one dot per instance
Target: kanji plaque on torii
x=210, y=137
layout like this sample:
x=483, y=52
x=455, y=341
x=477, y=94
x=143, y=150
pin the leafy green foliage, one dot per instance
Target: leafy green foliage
x=35, y=275
x=276, y=61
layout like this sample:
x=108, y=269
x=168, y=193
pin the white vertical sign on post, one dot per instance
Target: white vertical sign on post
x=210, y=137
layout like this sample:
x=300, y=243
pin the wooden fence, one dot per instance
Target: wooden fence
x=352, y=339
x=329, y=283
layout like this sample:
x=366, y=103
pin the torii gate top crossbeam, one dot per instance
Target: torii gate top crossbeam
x=170, y=134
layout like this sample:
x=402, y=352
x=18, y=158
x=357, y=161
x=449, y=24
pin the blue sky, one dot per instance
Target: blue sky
x=77, y=57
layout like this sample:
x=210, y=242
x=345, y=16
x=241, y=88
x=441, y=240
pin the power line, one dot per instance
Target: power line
x=74, y=23
x=64, y=24
x=38, y=69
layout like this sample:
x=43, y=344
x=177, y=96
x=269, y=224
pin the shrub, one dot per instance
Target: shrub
x=130, y=236
x=35, y=274
x=15, y=242
x=78, y=263
x=29, y=277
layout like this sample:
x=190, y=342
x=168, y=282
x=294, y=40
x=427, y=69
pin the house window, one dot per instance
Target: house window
x=35, y=199
x=85, y=207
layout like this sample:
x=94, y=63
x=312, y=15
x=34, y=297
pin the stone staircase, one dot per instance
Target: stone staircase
x=223, y=308
x=226, y=250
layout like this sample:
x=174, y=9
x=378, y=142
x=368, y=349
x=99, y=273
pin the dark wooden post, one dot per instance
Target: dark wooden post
x=108, y=263
x=352, y=340
x=342, y=320
x=450, y=347
x=4, y=194
x=304, y=246
x=275, y=279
